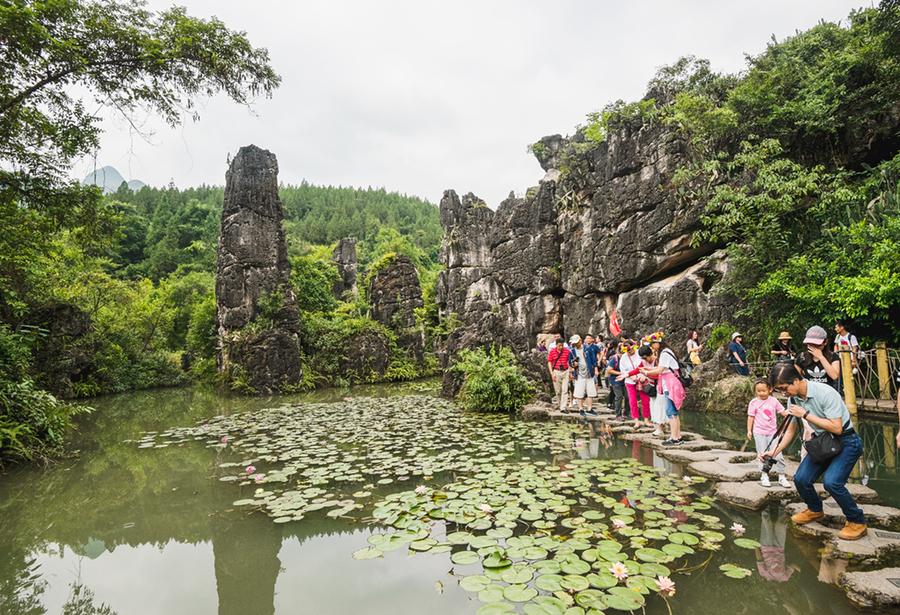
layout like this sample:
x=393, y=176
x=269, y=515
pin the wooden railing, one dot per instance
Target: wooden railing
x=872, y=387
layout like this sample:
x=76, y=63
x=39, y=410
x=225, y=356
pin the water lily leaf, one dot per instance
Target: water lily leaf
x=549, y=582
x=623, y=599
x=576, y=567
x=367, y=553
x=735, y=572
x=590, y=599
x=682, y=538
x=746, y=543
x=676, y=550
x=602, y=580
x=496, y=608
x=475, y=583
x=652, y=555
x=574, y=582
x=519, y=593
x=496, y=559
x=545, y=605
x=518, y=573
x=464, y=558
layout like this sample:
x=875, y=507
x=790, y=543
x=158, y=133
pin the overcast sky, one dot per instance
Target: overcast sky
x=422, y=95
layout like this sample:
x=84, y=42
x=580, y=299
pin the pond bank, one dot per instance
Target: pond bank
x=875, y=585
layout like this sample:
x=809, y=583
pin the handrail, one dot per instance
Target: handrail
x=874, y=378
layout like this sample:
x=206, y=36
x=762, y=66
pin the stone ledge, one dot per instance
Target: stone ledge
x=877, y=516
x=873, y=589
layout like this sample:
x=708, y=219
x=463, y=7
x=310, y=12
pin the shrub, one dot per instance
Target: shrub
x=33, y=423
x=492, y=380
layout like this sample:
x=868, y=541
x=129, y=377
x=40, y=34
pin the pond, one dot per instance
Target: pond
x=138, y=524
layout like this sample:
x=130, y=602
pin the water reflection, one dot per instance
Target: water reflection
x=157, y=533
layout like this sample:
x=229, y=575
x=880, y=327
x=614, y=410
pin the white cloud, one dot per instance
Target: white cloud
x=421, y=95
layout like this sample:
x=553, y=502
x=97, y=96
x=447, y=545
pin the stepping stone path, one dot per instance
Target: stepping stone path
x=876, y=589
x=752, y=495
x=738, y=484
x=884, y=517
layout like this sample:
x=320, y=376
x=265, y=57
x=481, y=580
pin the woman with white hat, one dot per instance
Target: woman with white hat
x=737, y=355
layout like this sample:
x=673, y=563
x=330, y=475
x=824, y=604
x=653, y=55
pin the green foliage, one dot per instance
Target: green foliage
x=720, y=335
x=492, y=380
x=616, y=114
x=33, y=423
x=313, y=277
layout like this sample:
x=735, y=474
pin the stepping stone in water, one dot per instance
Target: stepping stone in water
x=870, y=550
x=752, y=495
x=874, y=589
x=884, y=517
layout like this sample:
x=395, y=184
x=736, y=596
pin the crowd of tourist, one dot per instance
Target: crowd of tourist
x=646, y=383
x=645, y=374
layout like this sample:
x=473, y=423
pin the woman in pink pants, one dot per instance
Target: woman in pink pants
x=628, y=363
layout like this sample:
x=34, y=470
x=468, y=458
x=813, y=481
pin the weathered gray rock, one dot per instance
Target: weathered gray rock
x=874, y=589
x=537, y=411
x=394, y=296
x=63, y=356
x=256, y=311
x=344, y=257
x=603, y=231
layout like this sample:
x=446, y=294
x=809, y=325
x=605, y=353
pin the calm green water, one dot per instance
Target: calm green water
x=154, y=531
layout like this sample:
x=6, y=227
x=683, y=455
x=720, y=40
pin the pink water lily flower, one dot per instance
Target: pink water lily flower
x=250, y=469
x=421, y=489
x=224, y=439
x=564, y=475
x=738, y=529
x=665, y=586
x=486, y=508
x=259, y=477
x=619, y=570
x=618, y=524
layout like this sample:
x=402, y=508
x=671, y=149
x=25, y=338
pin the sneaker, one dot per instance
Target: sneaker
x=807, y=516
x=852, y=531
x=764, y=480
x=673, y=442
x=582, y=414
x=592, y=412
x=784, y=482
x=657, y=434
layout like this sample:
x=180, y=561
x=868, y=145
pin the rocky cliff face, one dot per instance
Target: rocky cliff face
x=602, y=231
x=394, y=294
x=344, y=257
x=256, y=312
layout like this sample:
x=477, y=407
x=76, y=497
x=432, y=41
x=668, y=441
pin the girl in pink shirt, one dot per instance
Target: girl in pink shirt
x=762, y=423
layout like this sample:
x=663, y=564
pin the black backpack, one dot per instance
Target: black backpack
x=684, y=371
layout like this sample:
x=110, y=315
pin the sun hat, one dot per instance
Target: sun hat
x=815, y=335
x=784, y=335
x=735, y=335
x=575, y=339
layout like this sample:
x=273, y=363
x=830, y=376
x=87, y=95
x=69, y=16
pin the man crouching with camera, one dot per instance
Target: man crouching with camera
x=832, y=452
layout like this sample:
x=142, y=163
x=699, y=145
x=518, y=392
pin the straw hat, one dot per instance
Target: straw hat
x=784, y=335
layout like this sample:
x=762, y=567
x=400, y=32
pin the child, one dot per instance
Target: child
x=762, y=423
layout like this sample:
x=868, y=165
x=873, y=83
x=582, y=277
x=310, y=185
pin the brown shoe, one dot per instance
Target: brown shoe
x=806, y=516
x=852, y=531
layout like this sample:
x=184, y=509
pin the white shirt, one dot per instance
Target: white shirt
x=628, y=363
x=667, y=359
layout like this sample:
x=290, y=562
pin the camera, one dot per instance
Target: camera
x=767, y=464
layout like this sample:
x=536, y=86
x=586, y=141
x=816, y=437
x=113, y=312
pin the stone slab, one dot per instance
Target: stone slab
x=877, y=516
x=680, y=455
x=752, y=495
x=870, y=550
x=873, y=589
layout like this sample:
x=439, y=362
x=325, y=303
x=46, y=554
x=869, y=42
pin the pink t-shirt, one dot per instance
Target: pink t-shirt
x=765, y=413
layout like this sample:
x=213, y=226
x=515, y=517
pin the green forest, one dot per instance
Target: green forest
x=110, y=293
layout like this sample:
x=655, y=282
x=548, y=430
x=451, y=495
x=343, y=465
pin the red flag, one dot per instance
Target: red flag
x=614, y=327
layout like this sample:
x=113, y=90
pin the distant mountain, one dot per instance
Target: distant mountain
x=109, y=180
